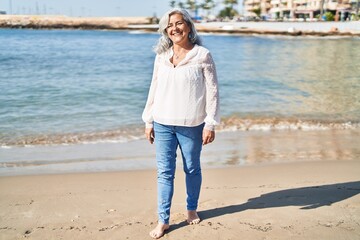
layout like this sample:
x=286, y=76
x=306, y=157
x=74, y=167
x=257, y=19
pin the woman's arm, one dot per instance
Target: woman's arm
x=147, y=115
x=212, y=94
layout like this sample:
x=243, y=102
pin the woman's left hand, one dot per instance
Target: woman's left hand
x=208, y=136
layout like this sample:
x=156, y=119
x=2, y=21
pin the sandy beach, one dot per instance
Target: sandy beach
x=314, y=200
x=292, y=185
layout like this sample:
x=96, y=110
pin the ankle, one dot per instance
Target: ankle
x=192, y=211
x=163, y=225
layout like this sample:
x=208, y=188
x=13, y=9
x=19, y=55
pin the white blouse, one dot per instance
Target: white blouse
x=185, y=95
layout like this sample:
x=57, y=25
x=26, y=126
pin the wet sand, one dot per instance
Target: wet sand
x=232, y=148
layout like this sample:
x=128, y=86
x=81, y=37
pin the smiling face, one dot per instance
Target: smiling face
x=178, y=30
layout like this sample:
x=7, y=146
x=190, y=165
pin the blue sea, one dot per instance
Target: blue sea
x=86, y=86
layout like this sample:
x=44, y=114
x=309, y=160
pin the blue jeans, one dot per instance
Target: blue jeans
x=167, y=140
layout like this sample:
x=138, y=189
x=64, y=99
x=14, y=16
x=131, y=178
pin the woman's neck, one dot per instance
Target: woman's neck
x=187, y=46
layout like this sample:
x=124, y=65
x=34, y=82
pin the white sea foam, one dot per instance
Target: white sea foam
x=267, y=124
x=136, y=133
x=5, y=147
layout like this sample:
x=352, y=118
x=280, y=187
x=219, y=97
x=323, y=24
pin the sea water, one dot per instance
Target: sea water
x=71, y=86
x=61, y=91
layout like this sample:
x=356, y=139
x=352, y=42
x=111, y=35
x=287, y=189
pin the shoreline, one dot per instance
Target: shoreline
x=228, y=124
x=308, y=200
x=321, y=29
x=230, y=149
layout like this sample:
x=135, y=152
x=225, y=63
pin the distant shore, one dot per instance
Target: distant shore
x=284, y=28
x=59, y=22
x=351, y=29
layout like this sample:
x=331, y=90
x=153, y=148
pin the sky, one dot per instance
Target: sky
x=96, y=8
x=86, y=7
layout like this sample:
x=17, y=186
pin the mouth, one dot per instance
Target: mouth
x=176, y=33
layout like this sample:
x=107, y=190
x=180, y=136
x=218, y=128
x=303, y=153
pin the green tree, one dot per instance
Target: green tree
x=172, y=4
x=230, y=3
x=191, y=5
x=329, y=16
x=257, y=11
x=208, y=5
x=229, y=10
x=181, y=5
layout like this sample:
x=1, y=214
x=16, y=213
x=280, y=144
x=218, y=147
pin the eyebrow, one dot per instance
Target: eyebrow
x=181, y=21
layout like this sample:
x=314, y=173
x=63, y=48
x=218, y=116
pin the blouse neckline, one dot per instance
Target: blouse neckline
x=187, y=56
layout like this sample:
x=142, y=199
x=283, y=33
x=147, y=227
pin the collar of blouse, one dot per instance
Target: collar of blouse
x=186, y=59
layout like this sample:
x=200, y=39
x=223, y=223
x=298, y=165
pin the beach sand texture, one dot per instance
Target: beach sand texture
x=312, y=200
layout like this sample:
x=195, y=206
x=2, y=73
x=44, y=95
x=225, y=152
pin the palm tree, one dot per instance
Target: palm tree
x=229, y=10
x=208, y=5
x=172, y=4
x=181, y=5
x=191, y=5
x=231, y=3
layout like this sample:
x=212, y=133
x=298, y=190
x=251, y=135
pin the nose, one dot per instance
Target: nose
x=175, y=27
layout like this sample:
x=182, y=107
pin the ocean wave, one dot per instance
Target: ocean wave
x=233, y=123
x=265, y=124
x=113, y=136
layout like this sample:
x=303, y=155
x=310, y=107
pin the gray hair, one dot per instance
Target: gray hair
x=164, y=42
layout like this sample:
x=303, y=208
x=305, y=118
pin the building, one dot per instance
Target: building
x=252, y=7
x=2, y=12
x=281, y=9
x=299, y=9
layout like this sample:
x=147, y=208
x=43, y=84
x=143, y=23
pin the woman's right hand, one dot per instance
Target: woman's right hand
x=150, y=135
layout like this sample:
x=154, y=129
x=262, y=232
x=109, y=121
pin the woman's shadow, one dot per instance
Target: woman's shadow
x=305, y=197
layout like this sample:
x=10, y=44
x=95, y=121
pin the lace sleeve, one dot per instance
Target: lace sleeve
x=212, y=94
x=147, y=115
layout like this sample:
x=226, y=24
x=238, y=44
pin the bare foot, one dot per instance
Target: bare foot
x=158, y=232
x=193, y=217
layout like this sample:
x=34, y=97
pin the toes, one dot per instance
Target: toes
x=194, y=221
x=158, y=233
x=154, y=235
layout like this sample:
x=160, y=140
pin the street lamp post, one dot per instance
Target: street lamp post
x=321, y=8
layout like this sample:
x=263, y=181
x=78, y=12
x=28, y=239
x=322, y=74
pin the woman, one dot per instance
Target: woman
x=182, y=110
